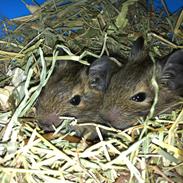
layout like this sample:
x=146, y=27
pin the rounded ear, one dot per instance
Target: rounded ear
x=172, y=72
x=137, y=51
x=101, y=71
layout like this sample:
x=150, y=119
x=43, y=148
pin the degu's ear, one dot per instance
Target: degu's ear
x=172, y=72
x=137, y=50
x=101, y=71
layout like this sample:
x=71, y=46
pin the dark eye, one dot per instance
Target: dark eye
x=75, y=100
x=139, y=97
x=95, y=80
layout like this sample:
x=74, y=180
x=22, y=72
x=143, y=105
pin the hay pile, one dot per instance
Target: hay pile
x=150, y=152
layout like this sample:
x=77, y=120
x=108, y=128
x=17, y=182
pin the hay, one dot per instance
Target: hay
x=149, y=152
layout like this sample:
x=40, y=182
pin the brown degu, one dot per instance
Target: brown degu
x=74, y=91
x=130, y=93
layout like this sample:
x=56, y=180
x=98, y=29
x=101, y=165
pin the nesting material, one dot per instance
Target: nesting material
x=149, y=152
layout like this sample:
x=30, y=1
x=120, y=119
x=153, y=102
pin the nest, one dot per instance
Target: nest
x=149, y=152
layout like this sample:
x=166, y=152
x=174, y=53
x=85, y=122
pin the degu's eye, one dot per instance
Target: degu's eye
x=139, y=97
x=75, y=100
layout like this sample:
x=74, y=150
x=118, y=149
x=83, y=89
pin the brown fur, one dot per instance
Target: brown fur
x=54, y=100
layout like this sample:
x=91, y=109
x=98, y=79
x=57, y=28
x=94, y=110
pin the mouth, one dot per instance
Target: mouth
x=48, y=121
x=141, y=113
x=115, y=119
